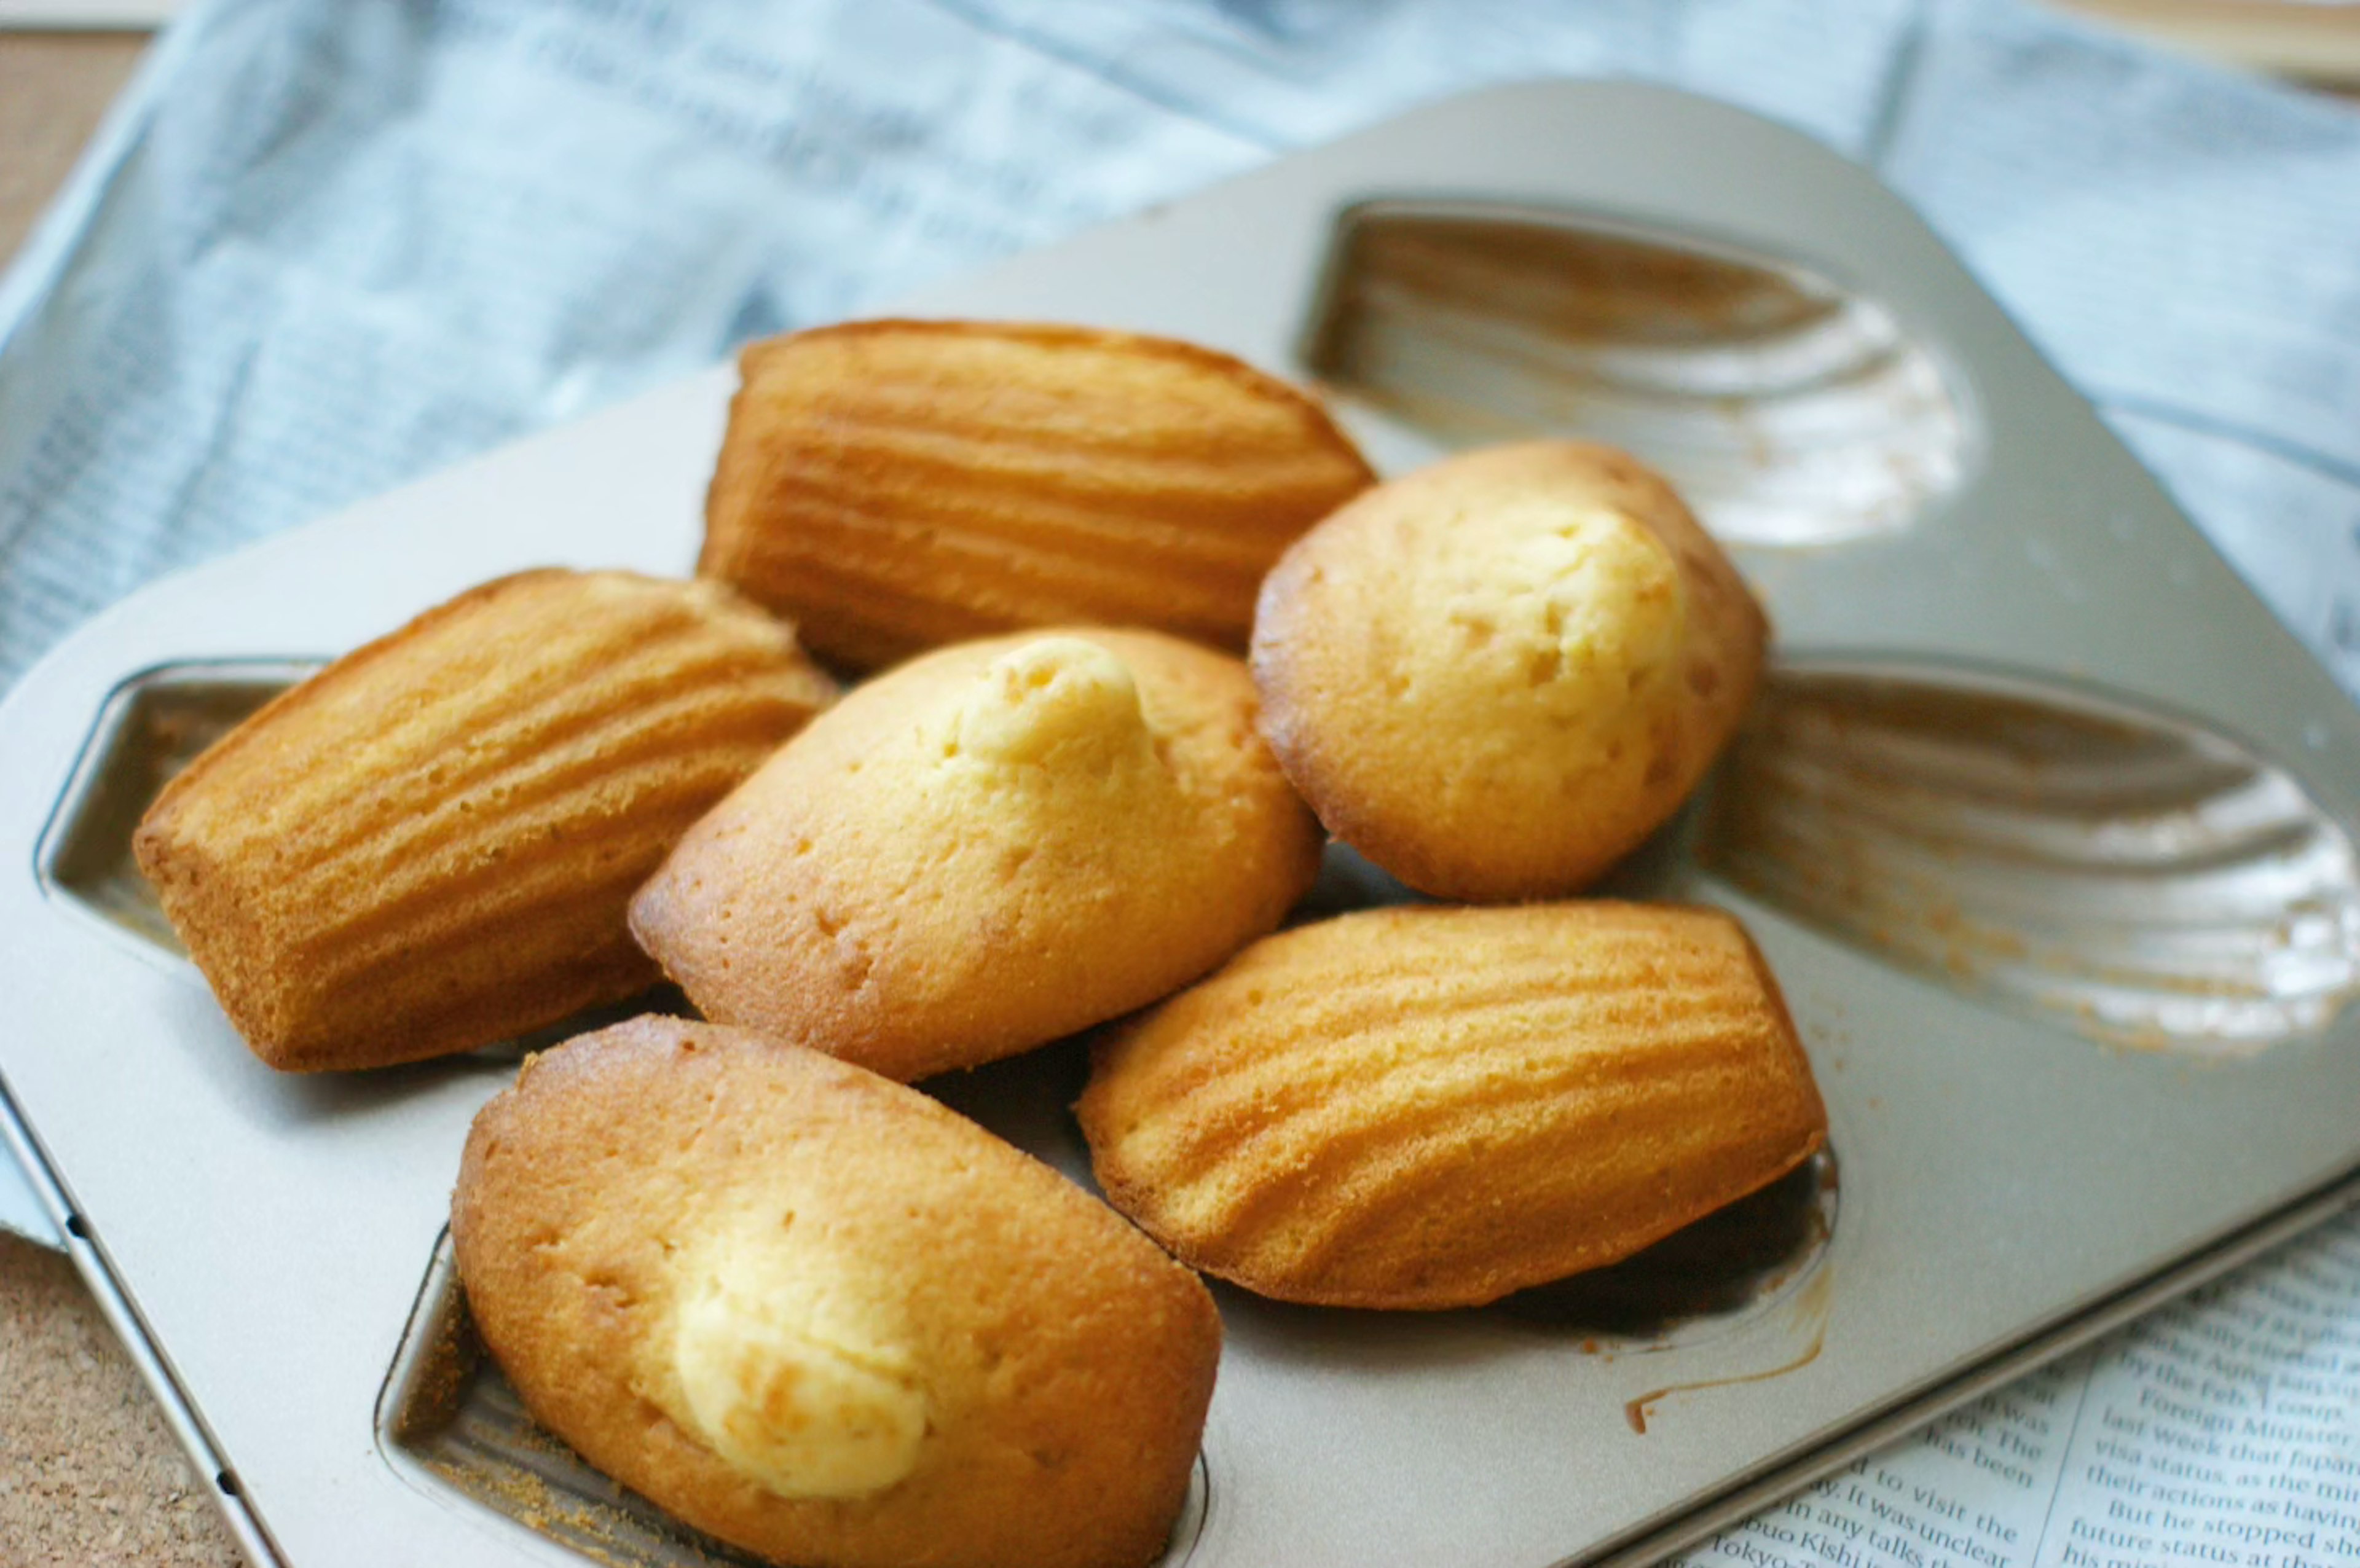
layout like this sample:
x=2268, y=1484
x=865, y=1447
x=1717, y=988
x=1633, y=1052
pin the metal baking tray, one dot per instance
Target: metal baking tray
x=2044, y=824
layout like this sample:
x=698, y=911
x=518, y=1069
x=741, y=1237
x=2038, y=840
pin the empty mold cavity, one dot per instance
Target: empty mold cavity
x=1702, y=1280
x=1787, y=409
x=2129, y=875
x=447, y=1421
x=151, y=727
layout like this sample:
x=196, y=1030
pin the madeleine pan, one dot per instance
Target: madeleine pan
x=2044, y=822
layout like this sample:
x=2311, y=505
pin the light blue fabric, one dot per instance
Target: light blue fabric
x=339, y=243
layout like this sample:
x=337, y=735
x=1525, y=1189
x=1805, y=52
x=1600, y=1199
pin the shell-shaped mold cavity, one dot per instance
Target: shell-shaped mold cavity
x=2128, y=875
x=1786, y=409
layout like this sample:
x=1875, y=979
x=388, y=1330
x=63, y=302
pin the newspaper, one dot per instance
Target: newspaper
x=328, y=244
x=2222, y=1428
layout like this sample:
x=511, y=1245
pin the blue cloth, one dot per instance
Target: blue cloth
x=334, y=244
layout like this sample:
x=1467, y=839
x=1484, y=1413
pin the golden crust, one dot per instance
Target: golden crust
x=989, y=847
x=896, y=485
x=1432, y=1107
x=1064, y=1364
x=429, y=845
x=1496, y=676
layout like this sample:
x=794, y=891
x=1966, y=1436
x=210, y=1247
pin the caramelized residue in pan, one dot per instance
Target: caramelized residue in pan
x=1811, y=1307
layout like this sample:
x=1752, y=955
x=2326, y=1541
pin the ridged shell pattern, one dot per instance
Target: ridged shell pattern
x=896, y=485
x=1785, y=410
x=1433, y=1107
x=2119, y=873
x=430, y=846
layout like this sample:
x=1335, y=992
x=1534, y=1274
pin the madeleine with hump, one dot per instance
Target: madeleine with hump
x=1497, y=675
x=430, y=845
x=993, y=845
x=1424, y=1106
x=896, y=485
x=824, y=1318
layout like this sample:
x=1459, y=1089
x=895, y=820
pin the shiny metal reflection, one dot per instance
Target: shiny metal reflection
x=2131, y=876
x=1789, y=410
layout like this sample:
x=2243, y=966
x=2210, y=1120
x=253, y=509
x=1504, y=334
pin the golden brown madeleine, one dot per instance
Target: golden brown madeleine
x=1498, y=675
x=1433, y=1107
x=429, y=845
x=822, y=1317
x=986, y=848
x=896, y=485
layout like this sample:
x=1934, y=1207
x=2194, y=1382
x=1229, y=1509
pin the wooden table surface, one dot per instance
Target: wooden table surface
x=89, y=1475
